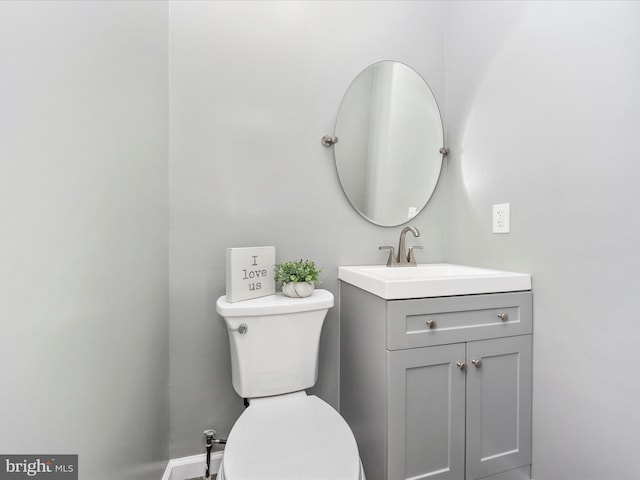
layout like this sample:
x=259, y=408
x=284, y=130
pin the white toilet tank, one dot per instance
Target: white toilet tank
x=278, y=351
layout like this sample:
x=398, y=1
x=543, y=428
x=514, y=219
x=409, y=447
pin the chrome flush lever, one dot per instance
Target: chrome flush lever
x=242, y=329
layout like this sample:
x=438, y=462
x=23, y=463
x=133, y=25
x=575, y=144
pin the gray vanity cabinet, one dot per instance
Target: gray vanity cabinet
x=438, y=388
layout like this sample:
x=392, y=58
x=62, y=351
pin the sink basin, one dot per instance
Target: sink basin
x=432, y=280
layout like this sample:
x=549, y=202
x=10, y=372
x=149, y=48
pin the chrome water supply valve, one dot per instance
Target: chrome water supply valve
x=209, y=442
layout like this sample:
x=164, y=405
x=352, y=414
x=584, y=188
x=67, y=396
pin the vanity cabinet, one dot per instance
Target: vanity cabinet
x=438, y=388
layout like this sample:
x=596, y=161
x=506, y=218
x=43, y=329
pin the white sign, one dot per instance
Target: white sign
x=250, y=273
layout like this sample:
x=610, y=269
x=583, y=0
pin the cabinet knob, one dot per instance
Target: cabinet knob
x=503, y=316
x=431, y=323
x=461, y=365
x=477, y=362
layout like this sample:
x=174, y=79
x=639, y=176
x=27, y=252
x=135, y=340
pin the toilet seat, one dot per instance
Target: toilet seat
x=291, y=437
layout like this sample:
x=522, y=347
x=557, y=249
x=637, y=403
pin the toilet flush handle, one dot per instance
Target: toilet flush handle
x=242, y=329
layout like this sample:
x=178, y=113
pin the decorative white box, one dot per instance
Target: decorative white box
x=250, y=273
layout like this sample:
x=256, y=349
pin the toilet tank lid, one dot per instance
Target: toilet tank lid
x=275, y=304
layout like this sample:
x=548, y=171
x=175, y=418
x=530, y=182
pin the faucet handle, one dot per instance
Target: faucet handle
x=392, y=259
x=412, y=258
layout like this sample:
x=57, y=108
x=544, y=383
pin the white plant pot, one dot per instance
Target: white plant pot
x=297, y=289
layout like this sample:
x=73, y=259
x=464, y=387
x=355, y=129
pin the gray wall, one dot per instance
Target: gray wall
x=544, y=112
x=253, y=88
x=541, y=105
x=83, y=256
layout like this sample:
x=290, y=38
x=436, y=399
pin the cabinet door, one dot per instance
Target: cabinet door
x=498, y=405
x=426, y=413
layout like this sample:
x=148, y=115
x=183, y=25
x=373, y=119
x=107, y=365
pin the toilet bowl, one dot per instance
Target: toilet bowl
x=290, y=437
x=284, y=434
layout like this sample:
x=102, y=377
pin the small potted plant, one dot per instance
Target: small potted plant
x=297, y=277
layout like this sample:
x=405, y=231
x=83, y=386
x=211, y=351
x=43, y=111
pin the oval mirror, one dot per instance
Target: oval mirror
x=390, y=134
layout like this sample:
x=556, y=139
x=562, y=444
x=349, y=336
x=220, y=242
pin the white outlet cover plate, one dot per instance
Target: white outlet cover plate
x=501, y=218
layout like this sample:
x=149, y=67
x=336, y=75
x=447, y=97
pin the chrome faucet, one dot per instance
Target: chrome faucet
x=403, y=259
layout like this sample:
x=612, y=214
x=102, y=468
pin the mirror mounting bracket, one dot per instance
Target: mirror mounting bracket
x=328, y=140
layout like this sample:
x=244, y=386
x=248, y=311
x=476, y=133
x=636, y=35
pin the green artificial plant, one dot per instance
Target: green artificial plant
x=297, y=271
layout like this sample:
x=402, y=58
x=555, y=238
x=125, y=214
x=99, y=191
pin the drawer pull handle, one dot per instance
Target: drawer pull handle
x=461, y=365
x=477, y=362
x=503, y=316
x=431, y=323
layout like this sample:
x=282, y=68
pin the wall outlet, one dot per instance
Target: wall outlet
x=501, y=218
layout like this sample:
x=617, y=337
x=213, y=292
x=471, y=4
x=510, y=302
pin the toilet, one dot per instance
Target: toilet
x=283, y=433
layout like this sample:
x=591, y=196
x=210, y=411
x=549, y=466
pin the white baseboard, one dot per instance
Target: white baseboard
x=191, y=467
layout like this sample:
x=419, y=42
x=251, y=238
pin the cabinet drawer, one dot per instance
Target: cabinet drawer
x=436, y=321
